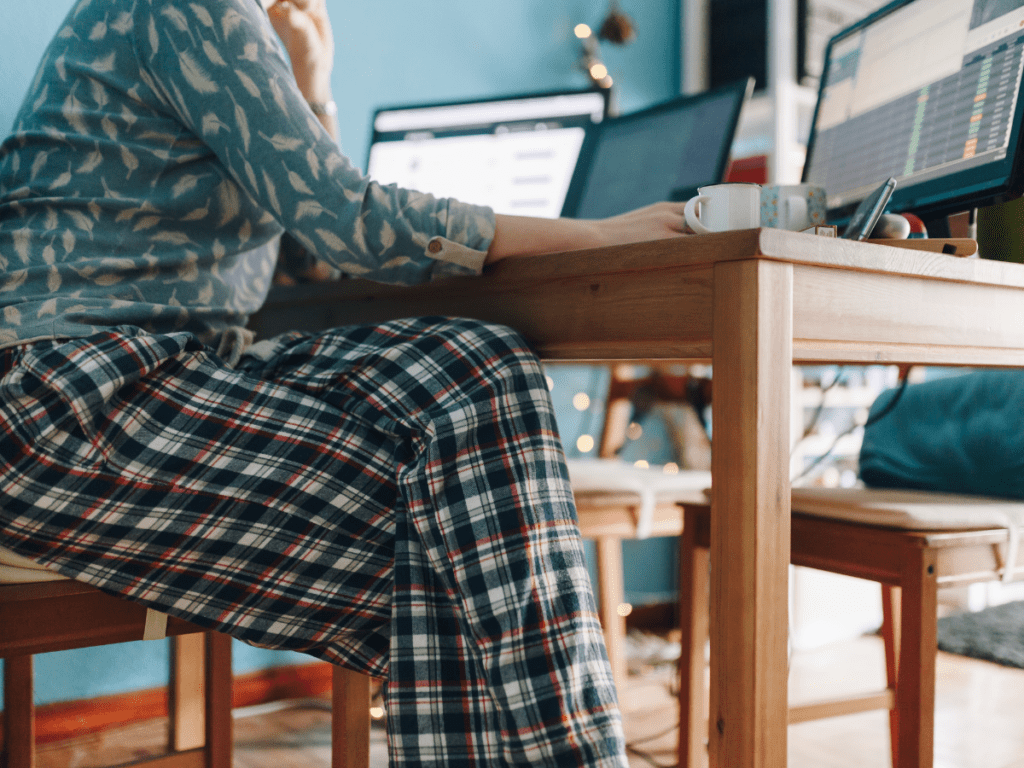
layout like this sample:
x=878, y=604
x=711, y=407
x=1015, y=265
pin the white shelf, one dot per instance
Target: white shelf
x=754, y=134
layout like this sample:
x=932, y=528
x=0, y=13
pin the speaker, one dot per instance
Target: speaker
x=738, y=44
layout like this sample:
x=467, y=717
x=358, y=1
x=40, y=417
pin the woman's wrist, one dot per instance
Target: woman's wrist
x=314, y=87
x=326, y=111
x=324, y=108
x=320, y=101
x=516, y=236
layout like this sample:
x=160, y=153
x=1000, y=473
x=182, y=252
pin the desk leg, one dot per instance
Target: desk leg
x=750, y=508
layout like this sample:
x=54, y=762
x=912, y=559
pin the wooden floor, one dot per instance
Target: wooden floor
x=979, y=721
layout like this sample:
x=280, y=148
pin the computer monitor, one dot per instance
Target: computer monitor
x=926, y=91
x=661, y=153
x=515, y=154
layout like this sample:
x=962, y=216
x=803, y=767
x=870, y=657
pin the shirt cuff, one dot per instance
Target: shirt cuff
x=468, y=233
x=443, y=249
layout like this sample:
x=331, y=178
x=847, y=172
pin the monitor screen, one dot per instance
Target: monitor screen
x=661, y=153
x=515, y=154
x=926, y=91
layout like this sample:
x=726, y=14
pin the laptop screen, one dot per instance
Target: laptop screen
x=661, y=153
x=926, y=91
x=515, y=154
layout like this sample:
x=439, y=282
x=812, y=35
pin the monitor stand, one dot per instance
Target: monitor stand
x=963, y=224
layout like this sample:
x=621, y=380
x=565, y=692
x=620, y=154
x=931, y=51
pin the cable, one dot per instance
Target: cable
x=821, y=407
x=904, y=379
x=892, y=403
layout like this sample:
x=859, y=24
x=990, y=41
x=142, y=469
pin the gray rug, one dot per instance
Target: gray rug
x=994, y=634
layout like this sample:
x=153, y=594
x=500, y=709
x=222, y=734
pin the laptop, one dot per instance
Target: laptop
x=661, y=153
x=516, y=154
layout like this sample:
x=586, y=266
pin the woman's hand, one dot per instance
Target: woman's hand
x=653, y=222
x=305, y=30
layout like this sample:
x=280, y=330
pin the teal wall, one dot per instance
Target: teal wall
x=393, y=52
x=400, y=51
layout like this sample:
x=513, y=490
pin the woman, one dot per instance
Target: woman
x=392, y=498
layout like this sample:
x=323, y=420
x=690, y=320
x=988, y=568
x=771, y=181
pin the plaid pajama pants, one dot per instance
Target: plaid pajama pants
x=392, y=498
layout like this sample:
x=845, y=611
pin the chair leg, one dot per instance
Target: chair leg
x=915, y=680
x=611, y=593
x=350, y=719
x=186, y=700
x=891, y=597
x=19, y=712
x=218, y=700
x=693, y=622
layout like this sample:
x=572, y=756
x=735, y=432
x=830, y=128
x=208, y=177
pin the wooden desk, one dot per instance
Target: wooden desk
x=753, y=302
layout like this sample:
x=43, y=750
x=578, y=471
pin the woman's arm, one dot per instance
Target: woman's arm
x=517, y=236
x=305, y=30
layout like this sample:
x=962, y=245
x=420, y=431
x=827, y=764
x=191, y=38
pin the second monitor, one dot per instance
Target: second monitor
x=661, y=153
x=928, y=92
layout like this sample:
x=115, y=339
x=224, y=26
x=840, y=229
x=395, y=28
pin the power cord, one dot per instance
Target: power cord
x=904, y=379
x=816, y=416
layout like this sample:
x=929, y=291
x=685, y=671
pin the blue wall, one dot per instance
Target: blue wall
x=393, y=52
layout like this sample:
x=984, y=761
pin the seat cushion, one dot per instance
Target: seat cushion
x=911, y=510
x=15, y=569
x=916, y=510
x=591, y=478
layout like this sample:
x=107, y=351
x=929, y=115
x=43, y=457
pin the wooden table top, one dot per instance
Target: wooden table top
x=653, y=300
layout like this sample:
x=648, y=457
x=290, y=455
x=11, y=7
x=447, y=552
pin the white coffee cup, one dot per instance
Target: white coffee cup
x=724, y=207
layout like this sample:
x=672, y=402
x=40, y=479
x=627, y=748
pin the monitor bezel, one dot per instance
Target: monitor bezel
x=988, y=184
x=525, y=96
x=742, y=89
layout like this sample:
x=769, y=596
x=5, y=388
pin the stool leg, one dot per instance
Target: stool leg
x=218, y=700
x=693, y=623
x=891, y=597
x=350, y=719
x=918, y=644
x=187, y=702
x=19, y=712
x=611, y=593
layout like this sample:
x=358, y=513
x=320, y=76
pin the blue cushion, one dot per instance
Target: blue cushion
x=960, y=434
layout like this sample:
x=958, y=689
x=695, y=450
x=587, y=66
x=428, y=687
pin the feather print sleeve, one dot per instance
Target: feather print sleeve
x=218, y=66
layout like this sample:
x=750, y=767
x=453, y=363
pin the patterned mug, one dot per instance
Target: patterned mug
x=792, y=206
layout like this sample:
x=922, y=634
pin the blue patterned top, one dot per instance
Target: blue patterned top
x=162, y=150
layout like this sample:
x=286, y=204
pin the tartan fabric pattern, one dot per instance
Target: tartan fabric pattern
x=392, y=498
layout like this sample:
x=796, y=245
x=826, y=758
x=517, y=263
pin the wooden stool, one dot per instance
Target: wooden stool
x=617, y=501
x=911, y=543
x=60, y=614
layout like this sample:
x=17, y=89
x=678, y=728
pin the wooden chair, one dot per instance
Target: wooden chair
x=912, y=543
x=65, y=614
x=617, y=501
x=53, y=615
